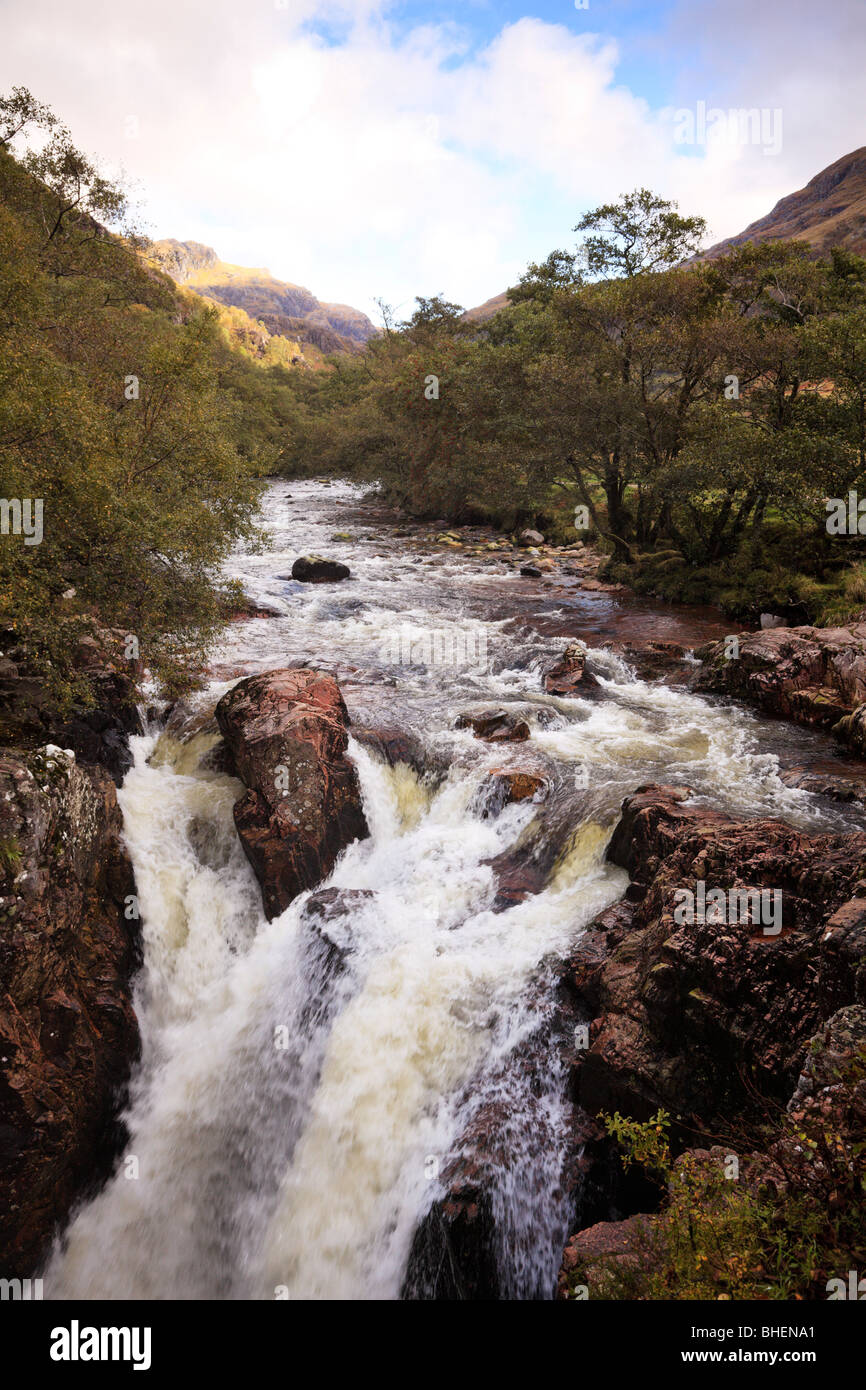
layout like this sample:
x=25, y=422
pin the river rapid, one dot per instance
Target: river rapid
x=289, y=1125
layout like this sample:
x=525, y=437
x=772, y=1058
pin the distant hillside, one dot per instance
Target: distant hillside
x=829, y=211
x=490, y=307
x=286, y=310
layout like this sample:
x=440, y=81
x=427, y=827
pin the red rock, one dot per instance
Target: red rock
x=495, y=726
x=502, y=788
x=685, y=1011
x=569, y=673
x=608, y=1244
x=287, y=734
x=68, y=1034
x=813, y=675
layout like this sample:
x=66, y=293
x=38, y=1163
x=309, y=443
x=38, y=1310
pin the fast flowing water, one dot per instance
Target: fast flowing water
x=290, y=1120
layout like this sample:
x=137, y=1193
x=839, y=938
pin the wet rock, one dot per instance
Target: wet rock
x=525, y=868
x=472, y=1244
x=851, y=729
x=286, y=731
x=503, y=788
x=395, y=746
x=530, y=537
x=569, y=673
x=652, y=660
x=530, y=571
x=100, y=735
x=328, y=904
x=316, y=569
x=68, y=1034
x=837, y=788
x=98, y=731
x=495, y=726
x=813, y=675
x=325, y=912
x=254, y=608
x=717, y=1022
x=703, y=1017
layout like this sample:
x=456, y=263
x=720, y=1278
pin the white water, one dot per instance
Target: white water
x=304, y=1168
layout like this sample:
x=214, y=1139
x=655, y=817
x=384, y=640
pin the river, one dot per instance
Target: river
x=288, y=1127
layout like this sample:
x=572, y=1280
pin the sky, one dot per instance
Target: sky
x=368, y=149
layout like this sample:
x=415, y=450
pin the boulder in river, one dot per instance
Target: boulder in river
x=569, y=673
x=316, y=569
x=495, y=726
x=503, y=788
x=530, y=537
x=287, y=734
x=68, y=950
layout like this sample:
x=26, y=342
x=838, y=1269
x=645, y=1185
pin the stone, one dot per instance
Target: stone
x=495, y=726
x=502, y=788
x=69, y=947
x=813, y=675
x=286, y=731
x=316, y=569
x=569, y=672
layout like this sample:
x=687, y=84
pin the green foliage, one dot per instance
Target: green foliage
x=10, y=856
x=640, y=233
x=126, y=409
x=700, y=414
x=643, y=1143
x=777, y=1230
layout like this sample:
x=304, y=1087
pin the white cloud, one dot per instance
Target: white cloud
x=394, y=165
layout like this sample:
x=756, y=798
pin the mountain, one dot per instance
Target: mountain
x=286, y=310
x=490, y=307
x=829, y=211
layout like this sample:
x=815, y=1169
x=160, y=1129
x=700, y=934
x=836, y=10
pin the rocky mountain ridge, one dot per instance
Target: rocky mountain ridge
x=286, y=310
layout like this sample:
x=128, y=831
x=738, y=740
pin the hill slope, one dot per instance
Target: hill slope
x=829, y=211
x=286, y=310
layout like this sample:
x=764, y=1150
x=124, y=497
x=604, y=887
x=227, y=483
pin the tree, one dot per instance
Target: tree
x=640, y=233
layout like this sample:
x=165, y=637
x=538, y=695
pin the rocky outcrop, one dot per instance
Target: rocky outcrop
x=592, y=1254
x=68, y=949
x=394, y=746
x=316, y=569
x=702, y=1016
x=97, y=731
x=717, y=1021
x=813, y=675
x=287, y=735
x=461, y=1250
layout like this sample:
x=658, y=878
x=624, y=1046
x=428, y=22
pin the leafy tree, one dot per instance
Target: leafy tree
x=640, y=233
